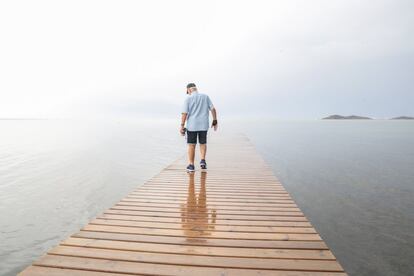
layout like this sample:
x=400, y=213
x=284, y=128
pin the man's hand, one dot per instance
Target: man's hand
x=182, y=130
x=214, y=125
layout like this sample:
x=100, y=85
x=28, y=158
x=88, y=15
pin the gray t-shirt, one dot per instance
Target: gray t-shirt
x=197, y=106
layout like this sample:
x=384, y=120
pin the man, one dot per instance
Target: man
x=196, y=112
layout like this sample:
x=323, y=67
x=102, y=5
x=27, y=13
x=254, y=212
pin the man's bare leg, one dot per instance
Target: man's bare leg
x=203, y=150
x=191, y=153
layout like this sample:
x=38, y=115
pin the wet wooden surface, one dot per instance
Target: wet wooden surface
x=234, y=219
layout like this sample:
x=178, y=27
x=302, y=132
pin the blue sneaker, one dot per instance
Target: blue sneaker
x=203, y=164
x=190, y=168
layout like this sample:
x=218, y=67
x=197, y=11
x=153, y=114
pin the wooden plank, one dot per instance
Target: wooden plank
x=224, y=200
x=211, y=191
x=197, y=260
x=52, y=271
x=210, y=206
x=236, y=219
x=213, y=185
x=115, y=266
x=220, y=228
x=267, y=223
x=203, y=232
x=203, y=250
x=183, y=209
x=282, y=217
x=213, y=195
x=250, y=204
x=203, y=242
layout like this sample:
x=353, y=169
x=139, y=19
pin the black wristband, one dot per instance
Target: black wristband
x=214, y=122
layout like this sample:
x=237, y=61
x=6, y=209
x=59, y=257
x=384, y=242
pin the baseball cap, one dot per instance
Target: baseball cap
x=190, y=85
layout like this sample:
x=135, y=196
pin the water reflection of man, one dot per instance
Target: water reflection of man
x=196, y=220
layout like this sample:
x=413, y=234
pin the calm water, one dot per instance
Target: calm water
x=353, y=179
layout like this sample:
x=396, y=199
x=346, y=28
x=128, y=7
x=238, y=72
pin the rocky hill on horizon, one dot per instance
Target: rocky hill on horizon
x=351, y=117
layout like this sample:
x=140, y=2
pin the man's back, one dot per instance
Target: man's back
x=197, y=107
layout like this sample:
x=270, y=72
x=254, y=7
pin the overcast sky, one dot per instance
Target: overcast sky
x=282, y=59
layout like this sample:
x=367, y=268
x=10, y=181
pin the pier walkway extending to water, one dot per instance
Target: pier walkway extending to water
x=235, y=219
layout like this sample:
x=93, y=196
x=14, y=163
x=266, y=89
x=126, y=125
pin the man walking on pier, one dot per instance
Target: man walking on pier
x=196, y=113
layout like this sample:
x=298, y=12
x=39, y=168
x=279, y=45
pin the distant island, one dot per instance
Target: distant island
x=403, y=118
x=340, y=117
x=355, y=117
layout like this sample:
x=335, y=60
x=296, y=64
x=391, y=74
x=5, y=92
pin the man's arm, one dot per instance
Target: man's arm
x=214, y=114
x=184, y=114
x=183, y=119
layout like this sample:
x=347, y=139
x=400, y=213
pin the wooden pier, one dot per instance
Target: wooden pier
x=235, y=219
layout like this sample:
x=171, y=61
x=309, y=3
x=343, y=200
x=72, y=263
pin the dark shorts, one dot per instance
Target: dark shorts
x=192, y=137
